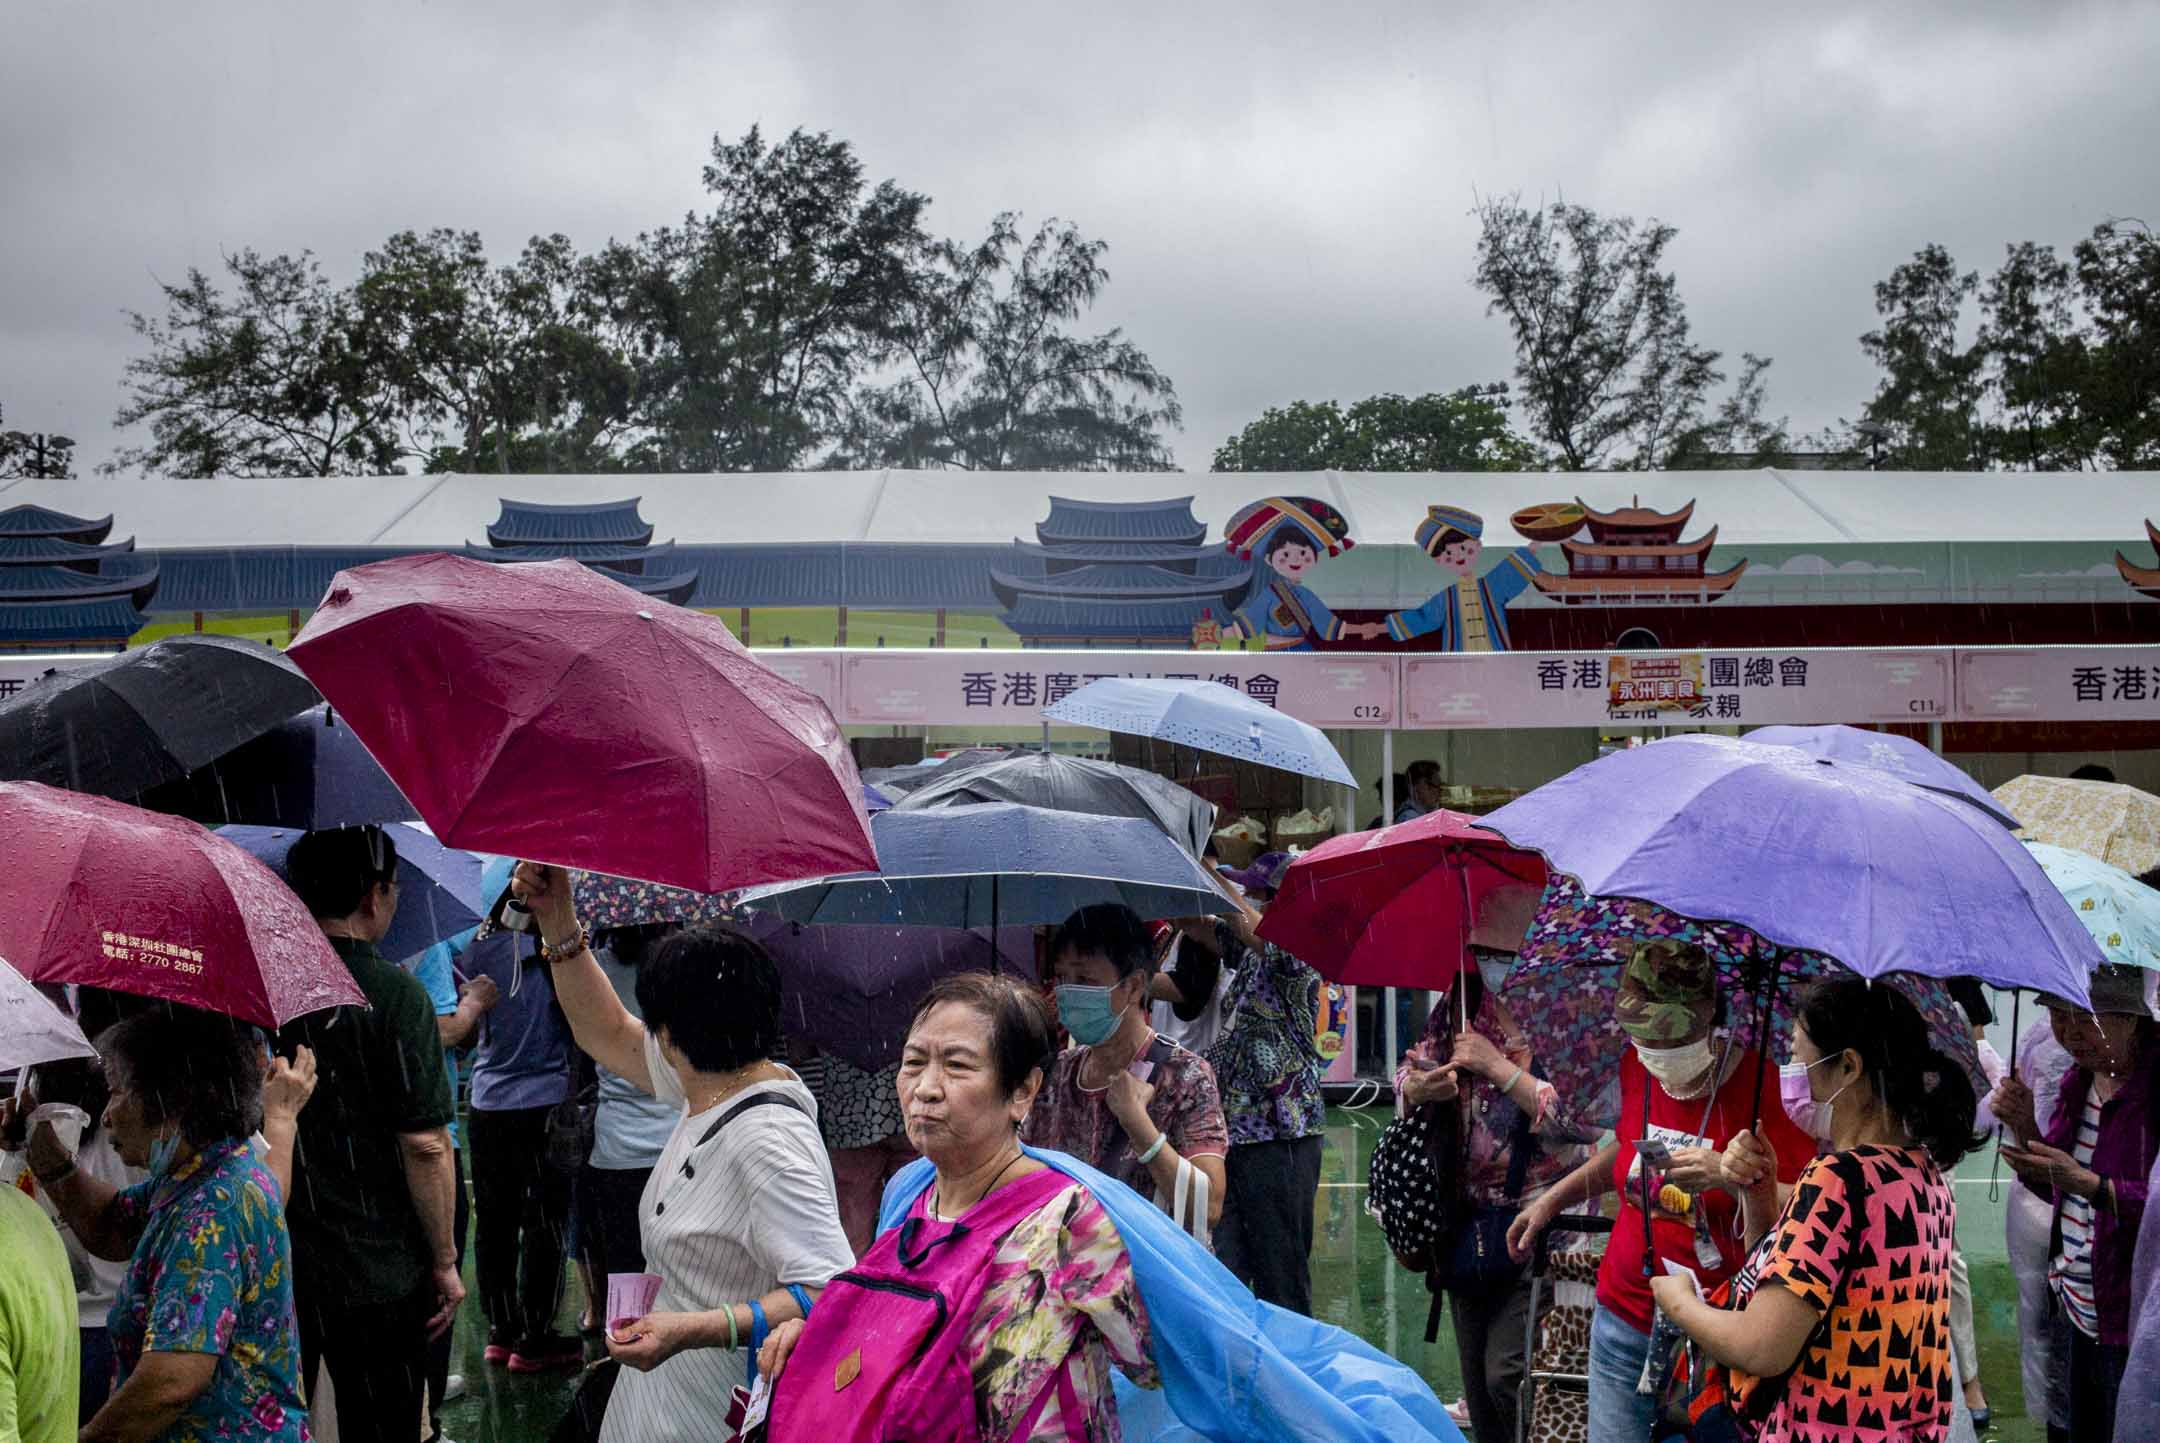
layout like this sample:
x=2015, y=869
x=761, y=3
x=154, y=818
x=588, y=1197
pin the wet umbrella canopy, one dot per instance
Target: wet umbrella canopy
x=1073, y=784
x=1206, y=716
x=32, y=1029
x=306, y=772
x=1902, y=757
x=108, y=895
x=438, y=886
x=539, y=710
x=118, y=728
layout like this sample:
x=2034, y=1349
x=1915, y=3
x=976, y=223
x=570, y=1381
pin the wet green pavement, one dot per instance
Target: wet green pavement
x=1355, y=1286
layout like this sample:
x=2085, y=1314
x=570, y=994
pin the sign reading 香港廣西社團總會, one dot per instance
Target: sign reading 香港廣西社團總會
x=2059, y=683
x=1734, y=688
x=1012, y=687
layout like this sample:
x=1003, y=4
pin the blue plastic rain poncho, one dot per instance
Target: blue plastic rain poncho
x=1234, y=1369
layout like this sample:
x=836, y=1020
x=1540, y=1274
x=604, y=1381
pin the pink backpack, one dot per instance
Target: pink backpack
x=880, y=1361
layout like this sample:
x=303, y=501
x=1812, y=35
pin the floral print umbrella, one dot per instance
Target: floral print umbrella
x=1561, y=992
x=2120, y=825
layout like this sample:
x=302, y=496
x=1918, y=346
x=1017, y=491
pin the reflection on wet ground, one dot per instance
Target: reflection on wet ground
x=1356, y=1285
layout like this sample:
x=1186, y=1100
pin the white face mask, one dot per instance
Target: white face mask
x=1676, y=1066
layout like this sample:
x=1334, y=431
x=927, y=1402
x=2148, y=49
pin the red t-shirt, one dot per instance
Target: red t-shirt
x=1622, y=1289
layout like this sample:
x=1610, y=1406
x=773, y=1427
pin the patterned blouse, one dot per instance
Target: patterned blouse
x=1883, y=1368
x=1562, y=1144
x=855, y=1108
x=1077, y=1120
x=1267, y=1062
x=1060, y=1294
x=212, y=1273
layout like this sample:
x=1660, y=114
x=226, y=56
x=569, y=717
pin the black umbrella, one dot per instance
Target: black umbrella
x=120, y=727
x=1072, y=784
x=306, y=772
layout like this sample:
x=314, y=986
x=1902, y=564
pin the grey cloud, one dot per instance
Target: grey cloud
x=1285, y=187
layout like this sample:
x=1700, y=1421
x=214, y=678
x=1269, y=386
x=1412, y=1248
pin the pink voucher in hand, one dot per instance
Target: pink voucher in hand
x=629, y=1297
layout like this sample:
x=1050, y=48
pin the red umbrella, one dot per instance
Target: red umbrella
x=1395, y=907
x=108, y=895
x=540, y=710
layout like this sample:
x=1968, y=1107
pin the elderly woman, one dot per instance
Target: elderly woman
x=2091, y=1163
x=738, y=1217
x=202, y=1328
x=1007, y=1289
x=1686, y=1098
x=1824, y=1322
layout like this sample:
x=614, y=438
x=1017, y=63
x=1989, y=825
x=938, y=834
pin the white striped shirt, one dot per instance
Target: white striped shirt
x=753, y=1211
x=2070, y=1274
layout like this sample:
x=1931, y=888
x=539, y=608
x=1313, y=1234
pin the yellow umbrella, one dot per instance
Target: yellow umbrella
x=2118, y=824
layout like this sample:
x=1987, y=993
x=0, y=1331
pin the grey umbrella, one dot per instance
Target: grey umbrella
x=118, y=728
x=1073, y=784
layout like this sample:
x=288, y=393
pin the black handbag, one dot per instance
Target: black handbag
x=1402, y=1188
x=1474, y=1257
x=571, y=1122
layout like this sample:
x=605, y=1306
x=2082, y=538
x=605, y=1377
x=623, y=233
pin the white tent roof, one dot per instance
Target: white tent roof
x=1765, y=507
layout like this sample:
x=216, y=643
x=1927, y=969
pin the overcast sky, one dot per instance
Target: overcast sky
x=1284, y=187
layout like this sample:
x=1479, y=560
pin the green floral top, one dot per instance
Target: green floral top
x=212, y=1273
x=1267, y=1061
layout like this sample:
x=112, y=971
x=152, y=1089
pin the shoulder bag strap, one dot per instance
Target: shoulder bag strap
x=762, y=1099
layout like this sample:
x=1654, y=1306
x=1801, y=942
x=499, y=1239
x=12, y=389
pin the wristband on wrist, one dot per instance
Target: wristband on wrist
x=1161, y=1140
x=734, y=1330
x=554, y=952
x=1513, y=1078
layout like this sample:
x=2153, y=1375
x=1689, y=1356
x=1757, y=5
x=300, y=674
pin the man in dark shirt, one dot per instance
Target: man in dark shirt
x=374, y=1256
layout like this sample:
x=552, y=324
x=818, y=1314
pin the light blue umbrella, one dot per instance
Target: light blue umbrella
x=2122, y=913
x=1207, y=716
x=999, y=864
x=1901, y=757
x=439, y=892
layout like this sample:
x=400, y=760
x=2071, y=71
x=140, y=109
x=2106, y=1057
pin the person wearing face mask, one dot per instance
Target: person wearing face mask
x=1517, y=1144
x=1688, y=1094
x=1841, y=1313
x=1122, y=1098
x=202, y=1327
x=2092, y=1163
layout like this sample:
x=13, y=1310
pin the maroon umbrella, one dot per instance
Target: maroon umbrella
x=108, y=895
x=539, y=710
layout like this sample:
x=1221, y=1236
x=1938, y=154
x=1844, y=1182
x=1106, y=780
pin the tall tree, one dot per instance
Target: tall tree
x=1739, y=433
x=991, y=376
x=2118, y=273
x=1604, y=361
x=1463, y=430
x=41, y=454
x=284, y=376
x=2037, y=363
x=750, y=325
x=497, y=368
x=1933, y=382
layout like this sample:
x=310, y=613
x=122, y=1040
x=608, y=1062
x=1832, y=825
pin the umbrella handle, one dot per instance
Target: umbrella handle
x=1765, y=997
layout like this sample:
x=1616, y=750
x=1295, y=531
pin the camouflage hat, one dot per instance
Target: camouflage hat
x=1668, y=992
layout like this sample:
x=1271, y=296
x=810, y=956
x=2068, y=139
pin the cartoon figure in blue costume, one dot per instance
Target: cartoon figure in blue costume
x=1290, y=534
x=1471, y=614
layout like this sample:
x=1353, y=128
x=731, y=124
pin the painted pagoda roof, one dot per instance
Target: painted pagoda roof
x=1047, y=562
x=1636, y=517
x=1059, y=558
x=37, y=583
x=676, y=588
x=48, y=550
x=1122, y=583
x=1696, y=547
x=112, y=618
x=524, y=522
x=1039, y=617
x=1629, y=588
x=597, y=553
x=1076, y=522
x=30, y=520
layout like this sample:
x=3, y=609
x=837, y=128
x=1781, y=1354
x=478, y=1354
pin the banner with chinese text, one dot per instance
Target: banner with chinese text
x=1010, y=688
x=2059, y=683
x=1735, y=688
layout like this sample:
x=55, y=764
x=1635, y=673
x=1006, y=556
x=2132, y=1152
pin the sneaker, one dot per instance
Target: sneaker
x=497, y=1351
x=551, y=1350
x=454, y=1386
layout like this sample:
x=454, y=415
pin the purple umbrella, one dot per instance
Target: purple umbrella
x=1902, y=757
x=853, y=990
x=1810, y=855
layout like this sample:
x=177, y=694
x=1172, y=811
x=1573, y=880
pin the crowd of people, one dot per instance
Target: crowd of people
x=996, y=1226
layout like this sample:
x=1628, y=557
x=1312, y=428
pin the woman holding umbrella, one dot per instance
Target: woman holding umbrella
x=1681, y=1104
x=738, y=1218
x=2092, y=1161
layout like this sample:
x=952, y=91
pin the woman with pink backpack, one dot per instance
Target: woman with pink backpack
x=1016, y=1295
